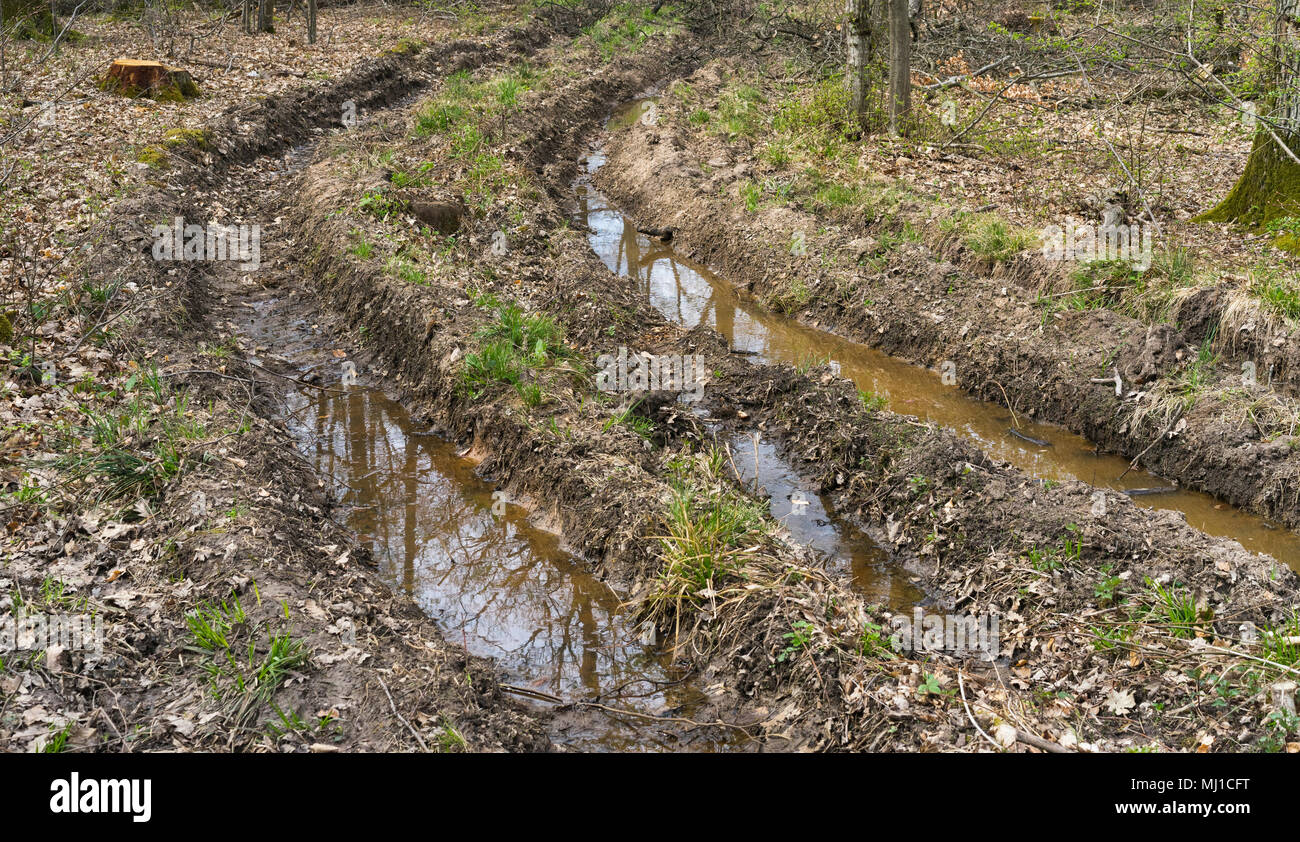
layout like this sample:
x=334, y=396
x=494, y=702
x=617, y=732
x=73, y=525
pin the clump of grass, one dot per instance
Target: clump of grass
x=138, y=446
x=789, y=296
x=420, y=178
x=517, y=347
x=1067, y=551
x=818, y=123
x=1196, y=376
x=1176, y=607
x=450, y=740
x=995, y=239
x=706, y=541
x=58, y=740
x=1177, y=264
x=1101, y=283
x=776, y=153
x=210, y=624
x=509, y=88
x=255, y=671
x=806, y=362
x=872, y=401
x=738, y=114
x=627, y=417
x=362, y=248
x=439, y=119
x=1281, y=642
x=714, y=542
x=834, y=196
x=406, y=270
x=379, y=206
x=1280, y=295
x=1154, y=291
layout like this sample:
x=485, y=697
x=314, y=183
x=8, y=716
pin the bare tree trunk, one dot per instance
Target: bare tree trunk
x=858, y=47
x=900, y=67
x=246, y=17
x=1270, y=185
x=266, y=16
x=311, y=21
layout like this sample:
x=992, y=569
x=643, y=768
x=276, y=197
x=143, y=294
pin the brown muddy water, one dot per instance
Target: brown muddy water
x=690, y=294
x=495, y=583
x=811, y=521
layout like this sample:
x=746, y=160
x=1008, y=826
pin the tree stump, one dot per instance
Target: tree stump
x=149, y=78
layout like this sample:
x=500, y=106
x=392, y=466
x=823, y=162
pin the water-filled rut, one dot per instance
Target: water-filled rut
x=504, y=588
x=690, y=294
x=496, y=583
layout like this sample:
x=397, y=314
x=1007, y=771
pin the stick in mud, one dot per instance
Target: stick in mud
x=664, y=234
x=1140, y=492
x=1040, y=442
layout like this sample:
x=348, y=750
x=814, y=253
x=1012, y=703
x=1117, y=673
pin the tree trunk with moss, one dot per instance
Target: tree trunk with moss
x=1270, y=186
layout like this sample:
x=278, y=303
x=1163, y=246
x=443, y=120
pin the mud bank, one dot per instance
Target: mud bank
x=789, y=652
x=927, y=310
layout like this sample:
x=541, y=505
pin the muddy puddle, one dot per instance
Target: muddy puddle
x=690, y=294
x=496, y=584
x=812, y=522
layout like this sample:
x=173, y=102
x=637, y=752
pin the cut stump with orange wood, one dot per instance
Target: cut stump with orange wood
x=149, y=78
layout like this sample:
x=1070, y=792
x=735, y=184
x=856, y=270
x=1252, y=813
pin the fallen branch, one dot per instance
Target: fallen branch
x=400, y=719
x=952, y=81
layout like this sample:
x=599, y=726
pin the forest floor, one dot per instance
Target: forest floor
x=155, y=480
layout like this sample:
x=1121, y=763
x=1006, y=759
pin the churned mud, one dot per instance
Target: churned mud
x=976, y=324
x=784, y=640
x=418, y=475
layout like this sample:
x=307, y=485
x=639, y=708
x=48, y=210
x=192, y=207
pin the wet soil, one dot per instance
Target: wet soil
x=924, y=308
x=946, y=511
x=690, y=294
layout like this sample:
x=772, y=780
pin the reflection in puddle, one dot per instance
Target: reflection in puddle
x=684, y=295
x=846, y=549
x=499, y=586
x=690, y=294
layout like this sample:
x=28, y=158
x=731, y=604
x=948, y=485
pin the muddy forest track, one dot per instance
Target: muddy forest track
x=290, y=344
x=381, y=675
x=955, y=516
x=691, y=294
x=929, y=311
x=958, y=520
